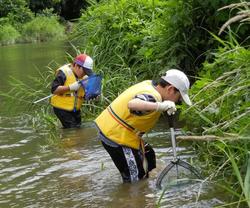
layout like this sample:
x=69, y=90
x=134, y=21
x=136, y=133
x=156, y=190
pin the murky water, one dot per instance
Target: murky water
x=77, y=172
x=72, y=169
x=24, y=60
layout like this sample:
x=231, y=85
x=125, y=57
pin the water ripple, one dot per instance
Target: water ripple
x=78, y=172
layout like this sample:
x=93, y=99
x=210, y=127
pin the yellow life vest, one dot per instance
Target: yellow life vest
x=69, y=100
x=118, y=124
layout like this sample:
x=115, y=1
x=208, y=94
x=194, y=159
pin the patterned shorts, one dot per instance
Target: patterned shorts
x=129, y=162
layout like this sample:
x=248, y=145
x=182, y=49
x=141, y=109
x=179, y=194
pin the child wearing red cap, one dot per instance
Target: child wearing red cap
x=68, y=95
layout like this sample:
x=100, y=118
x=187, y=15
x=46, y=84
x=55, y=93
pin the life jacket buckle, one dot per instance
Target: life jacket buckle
x=138, y=133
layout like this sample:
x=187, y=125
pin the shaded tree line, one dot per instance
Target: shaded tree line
x=67, y=9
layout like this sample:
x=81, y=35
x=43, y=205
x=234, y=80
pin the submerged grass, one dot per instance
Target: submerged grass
x=22, y=96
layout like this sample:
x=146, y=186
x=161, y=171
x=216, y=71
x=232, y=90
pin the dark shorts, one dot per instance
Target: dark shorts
x=69, y=119
x=129, y=162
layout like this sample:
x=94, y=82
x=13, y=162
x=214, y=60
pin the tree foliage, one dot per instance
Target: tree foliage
x=154, y=35
x=67, y=9
x=16, y=11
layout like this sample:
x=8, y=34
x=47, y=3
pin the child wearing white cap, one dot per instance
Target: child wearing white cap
x=180, y=81
x=122, y=124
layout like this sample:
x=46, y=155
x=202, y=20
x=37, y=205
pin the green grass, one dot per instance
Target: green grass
x=43, y=28
x=221, y=94
x=221, y=97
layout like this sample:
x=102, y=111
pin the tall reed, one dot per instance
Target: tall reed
x=221, y=97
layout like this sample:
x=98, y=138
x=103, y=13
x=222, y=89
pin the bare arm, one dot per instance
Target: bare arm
x=58, y=87
x=141, y=105
x=61, y=89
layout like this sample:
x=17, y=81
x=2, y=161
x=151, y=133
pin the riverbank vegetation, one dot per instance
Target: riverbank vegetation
x=25, y=21
x=43, y=27
x=135, y=40
x=222, y=107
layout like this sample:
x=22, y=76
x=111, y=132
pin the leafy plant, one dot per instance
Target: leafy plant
x=17, y=12
x=222, y=107
x=243, y=14
x=8, y=34
x=221, y=94
x=43, y=28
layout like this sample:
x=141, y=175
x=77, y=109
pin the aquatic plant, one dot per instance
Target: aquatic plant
x=135, y=40
x=22, y=95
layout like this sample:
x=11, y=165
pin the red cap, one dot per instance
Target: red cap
x=84, y=61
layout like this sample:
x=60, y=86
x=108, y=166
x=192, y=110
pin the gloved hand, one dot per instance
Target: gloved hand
x=74, y=86
x=97, y=98
x=166, y=105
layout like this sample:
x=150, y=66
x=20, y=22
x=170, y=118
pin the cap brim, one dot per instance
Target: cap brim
x=186, y=98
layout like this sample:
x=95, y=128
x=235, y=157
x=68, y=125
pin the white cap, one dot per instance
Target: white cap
x=180, y=81
x=88, y=63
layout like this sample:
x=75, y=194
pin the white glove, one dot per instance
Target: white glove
x=166, y=105
x=74, y=86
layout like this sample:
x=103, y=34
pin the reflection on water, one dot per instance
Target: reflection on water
x=77, y=171
x=23, y=60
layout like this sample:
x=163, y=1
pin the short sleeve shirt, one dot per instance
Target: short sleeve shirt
x=145, y=97
x=58, y=81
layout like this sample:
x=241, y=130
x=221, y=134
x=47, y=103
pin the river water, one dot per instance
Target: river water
x=74, y=170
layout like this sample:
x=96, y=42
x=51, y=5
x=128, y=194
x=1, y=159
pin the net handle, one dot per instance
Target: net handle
x=172, y=134
x=170, y=121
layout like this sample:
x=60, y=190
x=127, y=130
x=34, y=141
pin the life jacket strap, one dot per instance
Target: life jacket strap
x=123, y=123
x=72, y=95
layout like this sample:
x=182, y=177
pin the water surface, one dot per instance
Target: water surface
x=70, y=168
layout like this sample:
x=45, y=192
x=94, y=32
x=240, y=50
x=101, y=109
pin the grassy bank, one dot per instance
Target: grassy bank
x=221, y=97
x=38, y=29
